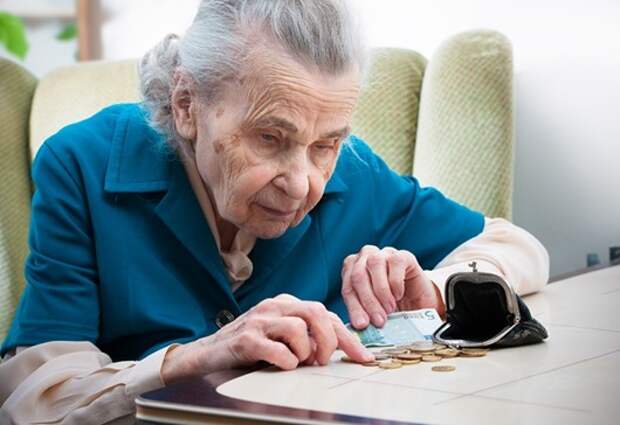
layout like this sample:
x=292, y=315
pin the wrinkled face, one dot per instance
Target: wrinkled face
x=269, y=145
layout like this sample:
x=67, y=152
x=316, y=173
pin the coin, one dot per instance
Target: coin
x=370, y=364
x=422, y=345
x=443, y=368
x=394, y=351
x=438, y=346
x=382, y=356
x=347, y=359
x=474, y=352
x=409, y=362
x=409, y=356
x=431, y=358
x=390, y=365
x=422, y=349
x=447, y=352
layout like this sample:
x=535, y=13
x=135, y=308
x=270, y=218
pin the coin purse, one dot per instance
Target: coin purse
x=483, y=310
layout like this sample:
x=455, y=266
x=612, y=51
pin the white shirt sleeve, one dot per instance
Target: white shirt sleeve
x=503, y=249
x=63, y=382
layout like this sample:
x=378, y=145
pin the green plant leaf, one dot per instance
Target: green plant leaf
x=69, y=32
x=13, y=34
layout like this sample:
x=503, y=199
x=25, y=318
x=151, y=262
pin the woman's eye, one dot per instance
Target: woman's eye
x=268, y=137
x=324, y=148
x=267, y=143
x=324, y=153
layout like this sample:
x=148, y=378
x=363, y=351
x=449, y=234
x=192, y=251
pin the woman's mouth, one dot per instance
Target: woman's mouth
x=278, y=213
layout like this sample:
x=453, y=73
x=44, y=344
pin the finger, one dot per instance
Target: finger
x=358, y=316
x=349, y=343
x=360, y=281
x=311, y=358
x=275, y=353
x=286, y=297
x=417, y=284
x=368, y=249
x=396, y=274
x=293, y=331
x=376, y=264
x=319, y=325
x=412, y=267
x=349, y=260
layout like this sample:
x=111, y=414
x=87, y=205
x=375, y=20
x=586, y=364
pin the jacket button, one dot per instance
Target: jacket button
x=223, y=318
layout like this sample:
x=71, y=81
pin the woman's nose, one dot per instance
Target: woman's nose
x=294, y=181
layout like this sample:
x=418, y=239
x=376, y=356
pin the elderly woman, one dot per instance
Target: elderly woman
x=229, y=218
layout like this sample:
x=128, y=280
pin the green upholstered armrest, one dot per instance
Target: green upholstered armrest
x=17, y=89
x=464, y=145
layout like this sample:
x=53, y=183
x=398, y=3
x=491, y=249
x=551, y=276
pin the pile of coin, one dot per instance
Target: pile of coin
x=422, y=351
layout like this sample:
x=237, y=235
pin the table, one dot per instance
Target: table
x=571, y=378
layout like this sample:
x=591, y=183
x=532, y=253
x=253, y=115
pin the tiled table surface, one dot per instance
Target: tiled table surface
x=574, y=377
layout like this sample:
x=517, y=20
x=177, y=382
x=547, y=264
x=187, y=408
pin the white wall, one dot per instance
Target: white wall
x=128, y=32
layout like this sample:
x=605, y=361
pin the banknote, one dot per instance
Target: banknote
x=403, y=327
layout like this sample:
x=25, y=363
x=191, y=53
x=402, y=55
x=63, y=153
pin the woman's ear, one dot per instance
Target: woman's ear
x=184, y=107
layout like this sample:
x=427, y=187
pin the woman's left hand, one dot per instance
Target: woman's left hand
x=377, y=282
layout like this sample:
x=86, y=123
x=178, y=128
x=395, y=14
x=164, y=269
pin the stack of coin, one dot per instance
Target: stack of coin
x=423, y=351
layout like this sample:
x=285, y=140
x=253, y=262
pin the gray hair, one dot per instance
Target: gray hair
x=321, y=33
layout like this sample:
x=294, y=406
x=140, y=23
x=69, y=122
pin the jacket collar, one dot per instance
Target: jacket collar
x=140, y=160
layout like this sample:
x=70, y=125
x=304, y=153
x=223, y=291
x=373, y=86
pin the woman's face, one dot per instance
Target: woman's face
x=269, y=145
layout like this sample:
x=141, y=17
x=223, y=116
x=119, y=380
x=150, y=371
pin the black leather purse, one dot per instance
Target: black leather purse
x=483, y=310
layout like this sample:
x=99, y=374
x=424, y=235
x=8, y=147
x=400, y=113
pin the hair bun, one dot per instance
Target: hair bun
x=155, y=72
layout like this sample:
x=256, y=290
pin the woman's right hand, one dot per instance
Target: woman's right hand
x=283, y=331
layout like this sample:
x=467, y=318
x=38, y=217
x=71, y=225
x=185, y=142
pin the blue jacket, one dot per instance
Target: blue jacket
x=122, y=256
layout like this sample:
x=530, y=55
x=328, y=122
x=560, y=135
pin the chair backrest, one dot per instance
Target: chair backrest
x=386, y=115
x=73, y=93
x=465, y=140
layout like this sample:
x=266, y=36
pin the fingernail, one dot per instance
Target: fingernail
x=368, y=356
x=358, y=322
x=377, y=319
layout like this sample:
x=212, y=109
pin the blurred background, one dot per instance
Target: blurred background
x=567, y=88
